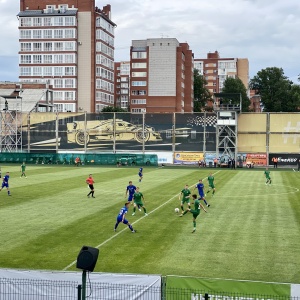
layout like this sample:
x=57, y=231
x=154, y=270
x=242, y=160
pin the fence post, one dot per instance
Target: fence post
x=79, y=287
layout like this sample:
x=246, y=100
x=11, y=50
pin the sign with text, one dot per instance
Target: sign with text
x=187, y=158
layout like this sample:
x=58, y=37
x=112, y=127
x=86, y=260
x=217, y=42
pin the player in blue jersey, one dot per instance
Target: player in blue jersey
x=140, y=174
x=5, y=183
x=121, y=218
x=130, y=190
x=200, y=187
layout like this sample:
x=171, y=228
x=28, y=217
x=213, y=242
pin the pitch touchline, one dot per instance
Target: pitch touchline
x=124, y=229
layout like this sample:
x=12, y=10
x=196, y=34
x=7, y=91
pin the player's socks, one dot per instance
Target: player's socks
x=208, y=191
x=205, y=202
x=130, y=227
x=185, y=212
x=194, y=230
x=145, y=211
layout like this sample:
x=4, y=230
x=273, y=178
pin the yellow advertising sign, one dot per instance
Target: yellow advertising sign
x=187, y=158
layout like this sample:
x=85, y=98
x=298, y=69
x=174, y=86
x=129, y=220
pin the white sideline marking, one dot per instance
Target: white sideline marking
x=124, y=229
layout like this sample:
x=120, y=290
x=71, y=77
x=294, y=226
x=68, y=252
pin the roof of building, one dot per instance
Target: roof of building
x=26, y=101
x=40, y=13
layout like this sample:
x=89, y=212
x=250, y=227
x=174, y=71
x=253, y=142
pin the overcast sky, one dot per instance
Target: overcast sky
x=267, y=32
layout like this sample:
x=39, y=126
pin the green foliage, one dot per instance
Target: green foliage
x=248, y=227
x=201, y=94
x=278, y=94
x=113, y=109
x=235, y=85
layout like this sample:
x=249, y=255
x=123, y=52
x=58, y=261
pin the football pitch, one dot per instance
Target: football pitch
x=251, y=231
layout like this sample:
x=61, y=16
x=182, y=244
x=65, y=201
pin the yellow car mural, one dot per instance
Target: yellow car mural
x=105, y=130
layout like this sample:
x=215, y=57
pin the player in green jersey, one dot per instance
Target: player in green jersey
x=138, y=199
x=267, y=175
x=185, y=197
x=22, y=169
x=195, y=211
x=211, y=184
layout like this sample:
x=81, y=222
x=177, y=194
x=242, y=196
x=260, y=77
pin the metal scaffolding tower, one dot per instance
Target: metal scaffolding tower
x=227, y=106
x=10, y=123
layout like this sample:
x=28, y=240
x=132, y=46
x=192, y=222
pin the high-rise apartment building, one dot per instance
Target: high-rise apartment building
x=68, y=44
x=161, y=76
x=216, y=69
x=122, y=84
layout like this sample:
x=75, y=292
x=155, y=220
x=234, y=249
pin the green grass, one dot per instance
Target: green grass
x=251, y=230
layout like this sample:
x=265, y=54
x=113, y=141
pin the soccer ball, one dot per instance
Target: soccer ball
x=177, y=210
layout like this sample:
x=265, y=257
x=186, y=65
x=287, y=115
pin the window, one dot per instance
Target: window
x=37, y=47
x=47, y=34
x=47, y=46
x=58, y=83
x=138, y=92
x=58, y=33
x=139, y=83
x=69, y=46
x=58, y=71
x=139, y=65
x=36, y=34
x=69, y=33
x=25, y=34
x=37, y=22
x=58, y=58
x=25, y=71
x=69, y=58
x=58, y=21
x=47, y=71
x=139, y=54
x=37, y=71
x=25, y=47
x=70, y=21
x=37, y=59
x=25, y=22
x=47, y=21
x=58, y=46
x=69, y=95
x=69, y=71
x=57, y=95
x=25, y=59
x=69, y=83
x=138, y=110
x=47, y=59
x=138, y=74
x=138, y=101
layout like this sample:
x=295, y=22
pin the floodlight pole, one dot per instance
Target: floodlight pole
x=83, y=284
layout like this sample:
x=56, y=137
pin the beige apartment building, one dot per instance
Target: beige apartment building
x=161, y=76
x=68, y=44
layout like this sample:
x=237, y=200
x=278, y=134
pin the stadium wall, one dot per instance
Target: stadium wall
x=166, y=133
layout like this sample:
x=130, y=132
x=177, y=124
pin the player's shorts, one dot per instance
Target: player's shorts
x=91, y=186
x=139, y=203
x=141, y=174
x=185, y=200
x=119, y=220
x=212, y=186
x=130, y=197
x=4, y=184
x=195, y=213
x=201, y=195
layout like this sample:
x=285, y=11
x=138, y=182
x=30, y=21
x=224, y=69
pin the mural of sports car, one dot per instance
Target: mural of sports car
x=105, y=130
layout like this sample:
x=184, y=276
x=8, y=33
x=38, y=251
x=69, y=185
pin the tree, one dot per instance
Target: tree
x=277, y=92
x=201, y=93
x=113, y=109
x=236, y=86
